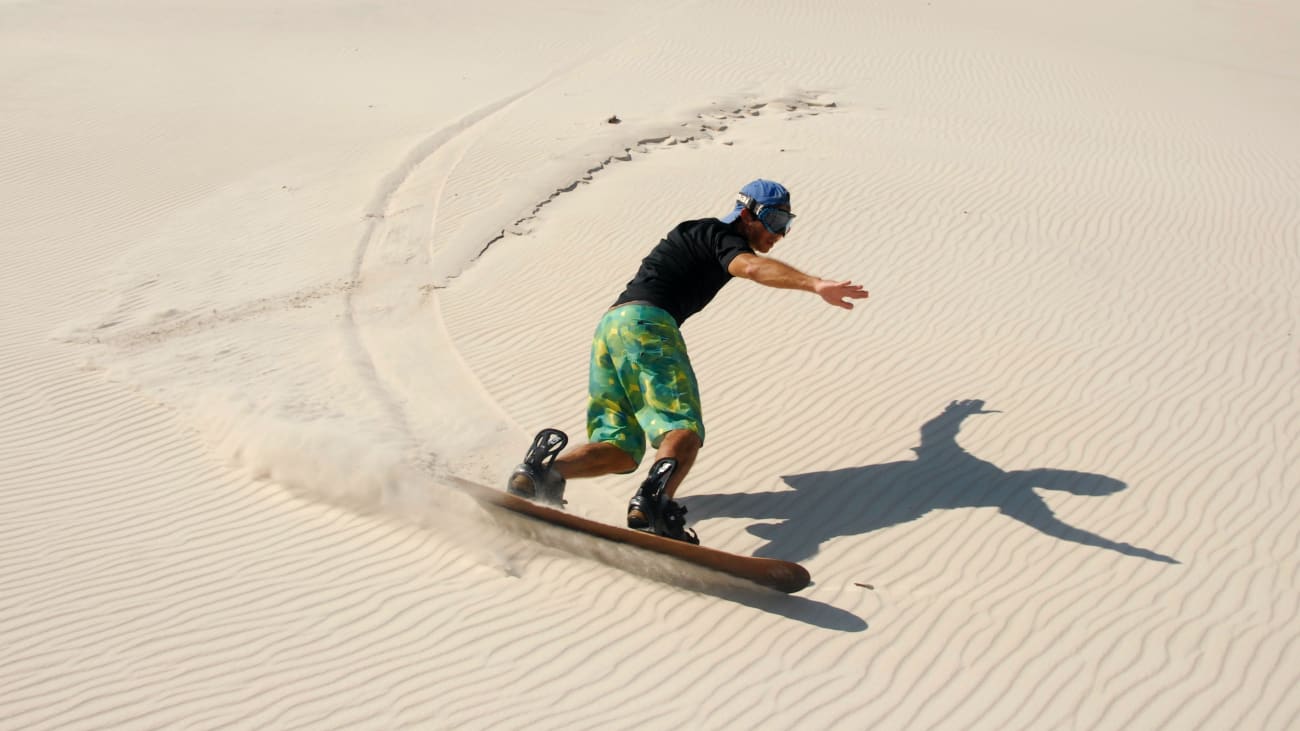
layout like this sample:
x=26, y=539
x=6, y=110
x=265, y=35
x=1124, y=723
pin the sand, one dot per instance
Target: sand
x=273, y=271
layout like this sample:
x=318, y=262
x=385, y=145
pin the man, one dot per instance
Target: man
x=641, y=385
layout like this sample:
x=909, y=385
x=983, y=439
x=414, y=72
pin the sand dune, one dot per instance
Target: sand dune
x=273, y=273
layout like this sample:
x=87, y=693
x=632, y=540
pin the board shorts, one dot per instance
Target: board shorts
x=641, y=384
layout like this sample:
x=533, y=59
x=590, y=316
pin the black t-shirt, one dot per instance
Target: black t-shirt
x=687, y=268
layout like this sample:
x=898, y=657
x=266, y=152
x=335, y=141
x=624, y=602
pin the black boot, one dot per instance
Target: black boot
x=643, y=508
x=535, y=478
x=650, y=509
x=672, y=523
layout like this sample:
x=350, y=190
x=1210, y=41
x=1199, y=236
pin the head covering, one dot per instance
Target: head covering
x=764, y=193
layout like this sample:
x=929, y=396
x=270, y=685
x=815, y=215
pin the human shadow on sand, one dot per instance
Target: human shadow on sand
x=858, y=500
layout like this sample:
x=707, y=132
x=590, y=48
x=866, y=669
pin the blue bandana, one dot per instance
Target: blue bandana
x=764, y=193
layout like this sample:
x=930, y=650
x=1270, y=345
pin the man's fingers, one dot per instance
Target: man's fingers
x=853, y=290
x=840, y=294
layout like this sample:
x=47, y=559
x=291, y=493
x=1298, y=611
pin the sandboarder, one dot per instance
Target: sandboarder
x=641, y=386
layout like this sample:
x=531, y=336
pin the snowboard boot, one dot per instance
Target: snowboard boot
x=643, y=508
x=672, y=523
x=536, y=478
x=650, y=509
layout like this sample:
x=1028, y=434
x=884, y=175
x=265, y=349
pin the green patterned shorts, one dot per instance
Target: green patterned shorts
x=641, y=384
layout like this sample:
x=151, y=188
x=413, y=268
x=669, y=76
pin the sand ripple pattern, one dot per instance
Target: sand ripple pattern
x=981, y=442
x=1045, y=478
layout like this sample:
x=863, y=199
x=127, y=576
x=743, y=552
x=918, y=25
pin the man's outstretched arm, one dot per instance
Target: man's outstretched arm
x=773, y=273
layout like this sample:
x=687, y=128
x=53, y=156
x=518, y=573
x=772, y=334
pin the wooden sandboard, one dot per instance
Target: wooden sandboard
x=770, y=572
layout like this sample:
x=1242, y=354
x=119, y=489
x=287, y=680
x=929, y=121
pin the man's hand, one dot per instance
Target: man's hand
x=838, y=293
x=968, y=407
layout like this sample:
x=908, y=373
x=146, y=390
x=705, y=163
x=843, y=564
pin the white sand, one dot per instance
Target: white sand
x=256, y=299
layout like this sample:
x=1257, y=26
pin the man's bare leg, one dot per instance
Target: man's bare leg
x=603, y=458
x=593, y=460
x=682, y=445
x=644, y=512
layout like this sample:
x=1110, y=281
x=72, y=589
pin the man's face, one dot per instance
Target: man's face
x=759, y=238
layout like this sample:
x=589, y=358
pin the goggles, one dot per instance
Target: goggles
x=775, y=220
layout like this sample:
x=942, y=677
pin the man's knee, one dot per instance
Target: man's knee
x=682, y=439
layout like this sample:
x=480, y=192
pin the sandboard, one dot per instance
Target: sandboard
x=770, y=572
